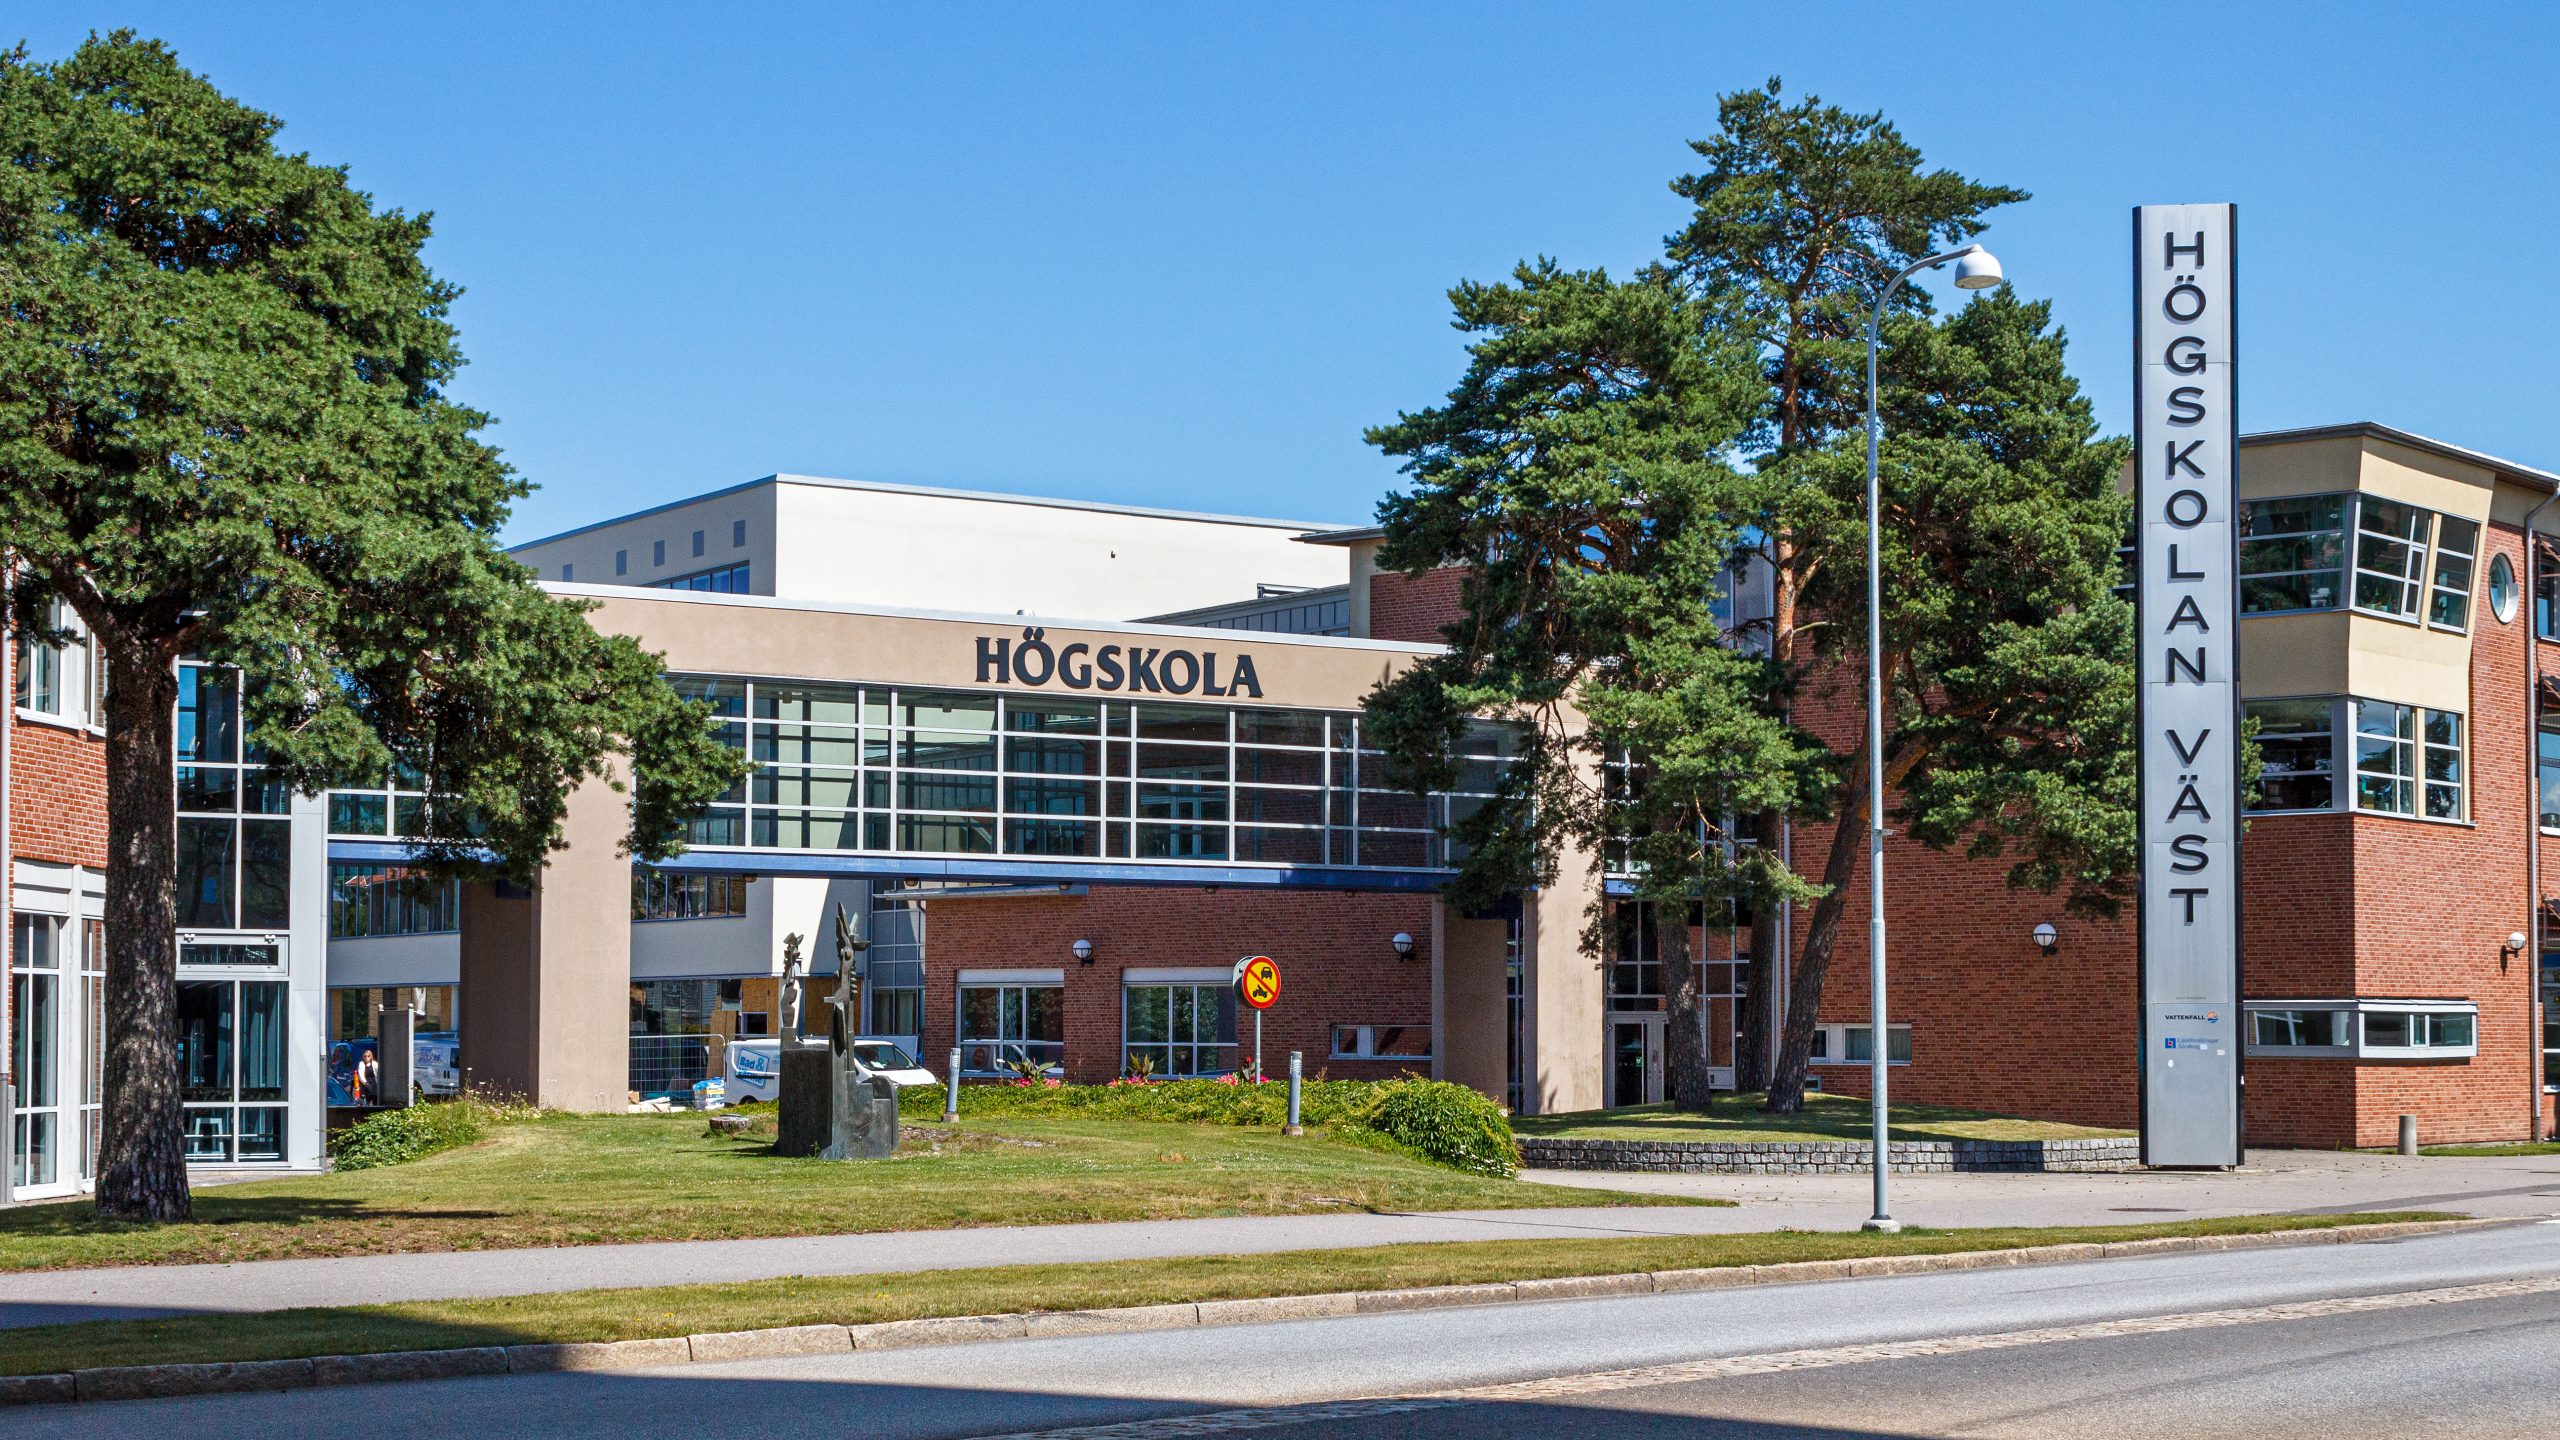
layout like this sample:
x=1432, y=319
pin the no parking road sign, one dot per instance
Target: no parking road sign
x=1258, y=980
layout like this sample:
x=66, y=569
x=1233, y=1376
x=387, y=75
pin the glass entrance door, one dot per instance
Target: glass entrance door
x=1635, y=1059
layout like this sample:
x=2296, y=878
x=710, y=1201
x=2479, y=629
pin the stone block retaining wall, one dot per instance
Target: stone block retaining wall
x=1825, y=1157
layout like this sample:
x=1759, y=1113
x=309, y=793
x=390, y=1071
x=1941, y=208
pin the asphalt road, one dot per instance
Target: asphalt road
x=2445, y=1336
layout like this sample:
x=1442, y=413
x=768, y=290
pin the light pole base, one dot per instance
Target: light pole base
x=1883, y=1225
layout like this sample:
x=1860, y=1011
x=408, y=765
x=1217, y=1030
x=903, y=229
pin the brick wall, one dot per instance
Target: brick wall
x=1336, y=965
x=1413, y=607
x=58, y=799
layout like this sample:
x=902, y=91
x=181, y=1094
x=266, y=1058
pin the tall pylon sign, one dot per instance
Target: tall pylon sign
x=2186, y=448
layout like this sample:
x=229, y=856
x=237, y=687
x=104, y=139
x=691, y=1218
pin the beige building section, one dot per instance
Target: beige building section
x=545, y=978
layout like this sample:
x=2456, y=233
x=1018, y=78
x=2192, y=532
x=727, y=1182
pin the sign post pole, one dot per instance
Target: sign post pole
x=2187, y=608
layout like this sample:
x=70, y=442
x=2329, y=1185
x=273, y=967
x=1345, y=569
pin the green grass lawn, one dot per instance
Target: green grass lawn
x=587, y=1315
x=1739, y=1118
x=600, y=1179
x=2519, y=1147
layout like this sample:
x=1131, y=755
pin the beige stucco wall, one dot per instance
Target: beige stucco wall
x=1473, y=1044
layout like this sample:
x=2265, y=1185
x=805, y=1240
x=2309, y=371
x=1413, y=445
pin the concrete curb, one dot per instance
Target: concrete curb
x=139, y=1382
x=1829, y=1157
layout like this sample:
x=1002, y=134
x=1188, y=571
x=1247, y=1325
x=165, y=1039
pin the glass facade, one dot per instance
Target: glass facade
x=2382, y=557
x=231, y=1068
x=720, y=580
x=659, y=896
x=367, y=900
x=2398, y=759
x=945, y=772
x=235, y=866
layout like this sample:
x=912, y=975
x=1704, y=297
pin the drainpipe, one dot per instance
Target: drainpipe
x=2533, y=811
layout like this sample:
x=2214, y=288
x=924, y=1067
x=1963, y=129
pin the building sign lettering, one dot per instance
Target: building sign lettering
x=1122, y=669
x=2186, y=440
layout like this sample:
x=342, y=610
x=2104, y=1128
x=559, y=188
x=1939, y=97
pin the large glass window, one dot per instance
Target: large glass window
x=235, y=865
x=656, y=895
x=2290, y=553
x=65, y=681
x=2297, y=752
x=2457, y=556
x=2442, y=733
x=2365, y=1029
x=874, y=768
x=1003, y=1026
x=231, y=1069
x=1179, y=1029
x=2546, y=741
x=2386, y=739
x=35, y=1020
x=720, y=580
x=2391, y=555
x=368, y=900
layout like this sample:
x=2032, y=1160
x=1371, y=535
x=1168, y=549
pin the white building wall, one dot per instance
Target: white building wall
x=590, y=552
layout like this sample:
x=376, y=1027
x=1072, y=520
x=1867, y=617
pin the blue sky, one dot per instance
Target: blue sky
x=1181, y=255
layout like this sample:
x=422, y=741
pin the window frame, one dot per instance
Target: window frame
x=1000, y=1042
x=2360, y=1046
x=1831, y=1043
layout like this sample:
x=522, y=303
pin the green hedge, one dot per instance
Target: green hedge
x=1437, y=1121
x=394, y=1137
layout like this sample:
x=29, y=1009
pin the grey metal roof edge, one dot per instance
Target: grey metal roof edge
x=2376, y=430
x=1308, y=595
x=888, y=487
x=1352, y=536
x=1012, y=621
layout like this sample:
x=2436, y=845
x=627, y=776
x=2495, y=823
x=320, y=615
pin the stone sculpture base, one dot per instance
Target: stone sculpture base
x=830, y=1110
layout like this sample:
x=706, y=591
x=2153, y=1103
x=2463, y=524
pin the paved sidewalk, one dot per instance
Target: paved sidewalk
x=2280, y=1181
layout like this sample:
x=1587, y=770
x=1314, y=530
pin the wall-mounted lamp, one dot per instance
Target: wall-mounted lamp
x=2047, y=938
x=2515, y=943
x=1084, y=951
x=1403, y=944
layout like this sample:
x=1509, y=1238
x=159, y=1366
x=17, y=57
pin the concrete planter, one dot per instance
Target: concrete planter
x=1826, y=1157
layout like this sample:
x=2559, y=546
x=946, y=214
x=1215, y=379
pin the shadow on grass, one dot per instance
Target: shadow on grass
x=65, y=1219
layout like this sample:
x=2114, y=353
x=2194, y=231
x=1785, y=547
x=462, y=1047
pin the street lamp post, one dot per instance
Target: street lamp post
x=1976, y=269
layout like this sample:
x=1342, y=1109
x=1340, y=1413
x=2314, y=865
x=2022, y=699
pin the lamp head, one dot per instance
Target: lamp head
x=1977, y=269
x=1403, y=944
x=1083, y=951
x=2045, y=937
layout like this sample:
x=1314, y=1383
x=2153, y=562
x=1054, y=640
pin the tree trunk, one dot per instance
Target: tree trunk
x=1804, y=1002
x=1684, y=1037
x=142, y=1169
x=1751, y=1038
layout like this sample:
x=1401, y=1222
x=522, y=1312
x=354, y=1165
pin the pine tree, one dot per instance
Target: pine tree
x=224, y=432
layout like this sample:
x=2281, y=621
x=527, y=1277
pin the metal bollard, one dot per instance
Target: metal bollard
x=951, y=1095
x=1293, y=1127
x=2408, y=1134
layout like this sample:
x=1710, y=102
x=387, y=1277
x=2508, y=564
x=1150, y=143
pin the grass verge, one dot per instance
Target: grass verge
x=1740, y=1120
x=590, y=1315
x=551, y=1179
x=2520, y=1147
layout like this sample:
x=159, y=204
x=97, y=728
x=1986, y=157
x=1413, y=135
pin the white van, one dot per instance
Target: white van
x=755, y=1067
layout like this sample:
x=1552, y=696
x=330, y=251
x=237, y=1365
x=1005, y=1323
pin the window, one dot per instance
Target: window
x=2391, y=553
x=621, y=562
x=371, y=900
x=398, y=807
x=235, y=866
x=2502, y=589
x=657, y=552
x=2297, y=752
x=720, y=580
x=35, y=1018
x=1381, y=1042
x=872, y=768
x=656, y=895
x=2550, y=1019
x=1179, y=1029
x=2365, y=1029
x=2457, y=552
x=2309, y=552
x=1004, y=1023
x=2386, y=757
x=231, y=1069
x=1634, y=978
x=2546, y=594
x=2442, y=734
x=1855, y=1045
x=737, y=534
x=66, y=681
x=2546, y=739
x=2290, y=553
x=697, y=544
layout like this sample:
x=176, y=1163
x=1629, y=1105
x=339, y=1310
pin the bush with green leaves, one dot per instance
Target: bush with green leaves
x=395, y=1137
x=1432, y=1120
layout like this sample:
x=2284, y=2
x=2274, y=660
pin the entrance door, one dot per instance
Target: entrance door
x=1635, y=1059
